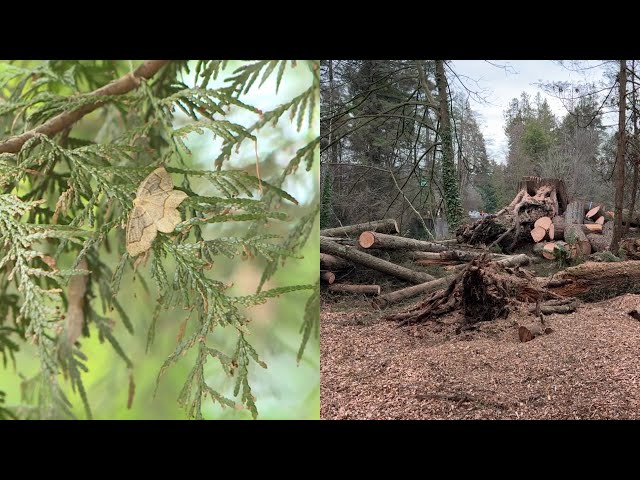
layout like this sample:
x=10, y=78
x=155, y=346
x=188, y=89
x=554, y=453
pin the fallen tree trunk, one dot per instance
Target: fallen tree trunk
x=393, y=297
x=460, y=255
x=594, y=281
x=370, y=239
x=357, y=289
x=483, y=291
x=388, y=225
x=413, y=291
x=329, y=262
x=372, y=262
x=327, y=277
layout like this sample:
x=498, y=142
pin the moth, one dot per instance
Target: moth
x=154, y=210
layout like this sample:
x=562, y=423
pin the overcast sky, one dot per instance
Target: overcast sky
x=499, y=86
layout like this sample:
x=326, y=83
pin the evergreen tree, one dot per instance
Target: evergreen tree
x=68, y=183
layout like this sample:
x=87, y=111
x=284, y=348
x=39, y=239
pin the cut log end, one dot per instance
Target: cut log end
x=544, y=222
x=538, y=234
x=367, y=239
x=327, y=277
x=594, y=212
x=548, y=249
x=552, y=231
x=528, y=333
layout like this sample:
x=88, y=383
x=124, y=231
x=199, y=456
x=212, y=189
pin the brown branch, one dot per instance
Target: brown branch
x=58, y=123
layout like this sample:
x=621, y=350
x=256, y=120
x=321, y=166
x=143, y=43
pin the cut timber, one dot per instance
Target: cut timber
x=380, y=240
x=429, y=262
x=594, y=281
x=329, y=262
x=327, y=277
x=459, y=255
x=558, y=228
x=538, y=234
x=511, y=228
x=389, y=298
x=594, y=212
x=384, y=226
x=357, y=289
x=575, y=236
x=599, y=243
x=600, y=221
x=526, y=333
x=574, y=212
x=592, y=227
x=370, y=261
x=552, y=232
x=404, y=293
x=544, y=222
x=548, y=249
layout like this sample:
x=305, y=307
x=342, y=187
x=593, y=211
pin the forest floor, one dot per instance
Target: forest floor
x=588, y=368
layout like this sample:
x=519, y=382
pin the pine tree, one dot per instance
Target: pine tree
x=68, y=181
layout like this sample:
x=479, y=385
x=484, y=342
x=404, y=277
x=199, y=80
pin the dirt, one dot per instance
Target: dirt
x=587, y=368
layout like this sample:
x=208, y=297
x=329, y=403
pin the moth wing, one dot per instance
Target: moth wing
x=158, y=181
x=141, y=231
x=171, y=215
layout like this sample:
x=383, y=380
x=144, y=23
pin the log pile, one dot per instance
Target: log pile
x=542, y=214
x=349, y=256
x=512, y=226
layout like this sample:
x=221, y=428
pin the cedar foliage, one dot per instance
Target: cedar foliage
x=65, y=198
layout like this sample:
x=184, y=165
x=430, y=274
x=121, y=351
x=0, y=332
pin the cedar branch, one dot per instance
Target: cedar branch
x=58, y=123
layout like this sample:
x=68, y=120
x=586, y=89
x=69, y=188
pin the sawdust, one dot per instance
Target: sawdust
x=588, y=368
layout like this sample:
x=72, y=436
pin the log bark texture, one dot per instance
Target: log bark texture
x=369, y=239
x=370, y=261
x=388, y=225
x=330, y=262
x=355, y=289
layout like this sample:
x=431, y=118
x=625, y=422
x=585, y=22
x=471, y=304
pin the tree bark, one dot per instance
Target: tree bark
x=459, y=255
x=449, y=177
x=372, y=262
x=558, y=228
x=636, y=157
x=329, y=262
x=619, y=170
x=393, y=297
x=574, y=213
x=597, y=280
x=380, y=240
x=388, y=225
x=357, y=289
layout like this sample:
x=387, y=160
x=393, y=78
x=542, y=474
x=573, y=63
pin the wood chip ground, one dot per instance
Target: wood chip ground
x=588, y=368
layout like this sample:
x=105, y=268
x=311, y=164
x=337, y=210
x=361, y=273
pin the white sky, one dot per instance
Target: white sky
x=499, y=86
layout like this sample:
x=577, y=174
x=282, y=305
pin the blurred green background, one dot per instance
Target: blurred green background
x=286, y=389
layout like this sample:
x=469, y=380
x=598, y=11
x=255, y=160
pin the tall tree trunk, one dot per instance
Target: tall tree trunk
x=449, y=176
x=619, y=184
x=636, y=153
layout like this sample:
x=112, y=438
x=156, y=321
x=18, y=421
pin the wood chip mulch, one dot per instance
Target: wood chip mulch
x=588, y=368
